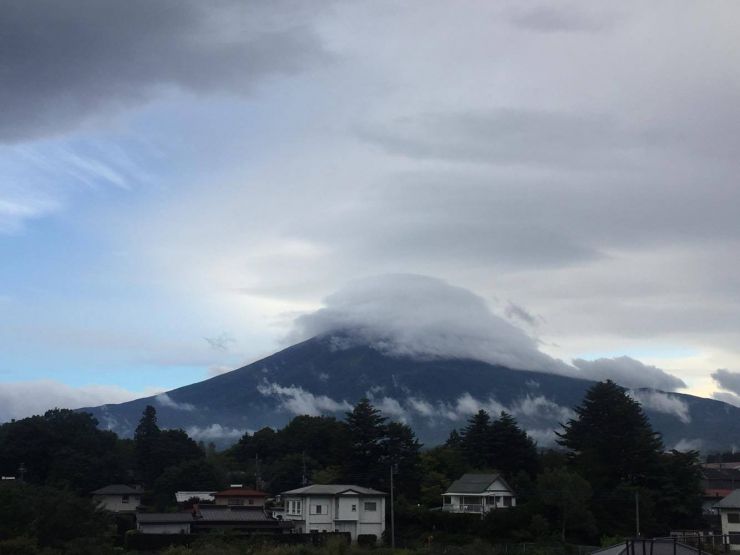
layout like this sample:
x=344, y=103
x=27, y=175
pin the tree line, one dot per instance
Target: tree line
x=585, y=487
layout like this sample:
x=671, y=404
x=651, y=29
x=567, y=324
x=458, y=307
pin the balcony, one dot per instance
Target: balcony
x=476, y=509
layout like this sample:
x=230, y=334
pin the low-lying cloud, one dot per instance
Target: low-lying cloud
x=628, y=372
x=216, y=432
x=663, y=402
x=727, y=380
x=164, y=400
x=297, y=400
x=23, y=399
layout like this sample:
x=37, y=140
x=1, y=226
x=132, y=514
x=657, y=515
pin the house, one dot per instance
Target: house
x=718, y=481
x=336, y=508
x=478, y=493
x=185, y=496
x=729, y=513
x=118, y=498
x=238, y=496
x=211, y=518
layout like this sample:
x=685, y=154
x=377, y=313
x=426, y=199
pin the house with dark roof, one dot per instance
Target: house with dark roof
x=211, y=518
x=478, y=493
x=118, y=498
x=729, y=514
x=237, y=496
x=336, y=508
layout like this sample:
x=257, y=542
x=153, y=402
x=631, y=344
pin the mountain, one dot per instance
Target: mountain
x=327, y=375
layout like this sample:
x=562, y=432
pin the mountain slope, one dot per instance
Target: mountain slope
x=434, y=396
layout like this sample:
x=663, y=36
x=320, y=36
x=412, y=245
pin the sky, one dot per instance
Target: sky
x=185, y=188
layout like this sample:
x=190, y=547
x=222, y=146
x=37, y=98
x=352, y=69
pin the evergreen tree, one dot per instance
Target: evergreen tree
x=366, y=430
x=476, y=440
x=146, y=439
x=567, y=495
x=611, y=442
x=512, y=450
x=402, y=453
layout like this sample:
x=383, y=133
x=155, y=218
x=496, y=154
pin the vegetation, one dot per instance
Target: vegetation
x=586, y=489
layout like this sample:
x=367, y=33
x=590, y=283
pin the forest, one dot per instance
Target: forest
x=581, y=490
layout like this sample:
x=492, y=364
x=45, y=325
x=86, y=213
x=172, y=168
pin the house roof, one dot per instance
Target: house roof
x=333, y=489
x=732, y=501
x=475, y=483
x=240, y=492
x=119, y=489
x=183, y=496
x=210, y=514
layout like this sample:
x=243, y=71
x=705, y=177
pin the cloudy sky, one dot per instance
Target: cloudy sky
x=179, y=183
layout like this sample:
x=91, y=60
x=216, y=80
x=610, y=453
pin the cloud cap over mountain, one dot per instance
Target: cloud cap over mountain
x=420, y=316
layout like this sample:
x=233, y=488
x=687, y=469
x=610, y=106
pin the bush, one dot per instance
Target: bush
x=367, y=540
x=19, y=546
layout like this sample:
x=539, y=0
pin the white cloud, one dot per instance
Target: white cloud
x=299, y=401
x=628, y=372
x=688, y=444
x=663, y=402
x=216, y=431
x=23, y=399
x=164, y=400
x=420, y=316
x=420, y=406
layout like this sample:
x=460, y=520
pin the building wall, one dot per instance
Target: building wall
x=337, y=514
x=731, y=529
x=115, y=503
x=241, y=501
x=164, y=528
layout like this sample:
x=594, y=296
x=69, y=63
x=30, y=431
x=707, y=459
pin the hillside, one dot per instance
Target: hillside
x=434, y=396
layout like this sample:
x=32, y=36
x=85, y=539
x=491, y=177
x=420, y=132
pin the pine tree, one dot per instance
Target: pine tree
x=512, y=450
x=366, y=429
x=612, y=443
x=146, y=438
x=476, y=441
x=402, y=453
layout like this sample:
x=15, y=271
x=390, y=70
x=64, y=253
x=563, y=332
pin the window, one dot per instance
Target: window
x=124, y=499
x=507, y=501
x=354, y=508
x=733, y=518
x=448, y=500
x=735, y=538
x=371, y=506
x=251, y=501
x=317, y=509
x=235, y=501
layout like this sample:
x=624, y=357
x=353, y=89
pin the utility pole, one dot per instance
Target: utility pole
x=257, y=477
x=393, y=515
x=637, y=512
x=304, y=478
x=22, y=472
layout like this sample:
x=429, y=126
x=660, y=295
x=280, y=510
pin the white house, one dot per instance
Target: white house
x=336, y=508
x=478, y=493
x=729, y=513
x=118, y=498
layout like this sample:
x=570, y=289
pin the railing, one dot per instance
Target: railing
x=464, y=508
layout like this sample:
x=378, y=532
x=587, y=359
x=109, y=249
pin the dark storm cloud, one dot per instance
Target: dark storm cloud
x=64, y=62
x=628, y=372
x=727, y=380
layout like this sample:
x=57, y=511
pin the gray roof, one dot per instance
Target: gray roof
x=657, y=546
x=475, y=483
x=183, y=496
x=207, y=515
x=732, y=501
x=119, y=489
x=332, y=489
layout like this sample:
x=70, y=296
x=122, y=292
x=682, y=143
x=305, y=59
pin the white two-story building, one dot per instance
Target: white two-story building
x=729, y=513
x=336, y=508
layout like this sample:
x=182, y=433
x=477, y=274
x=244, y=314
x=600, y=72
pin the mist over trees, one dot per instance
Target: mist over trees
x=608, y=455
